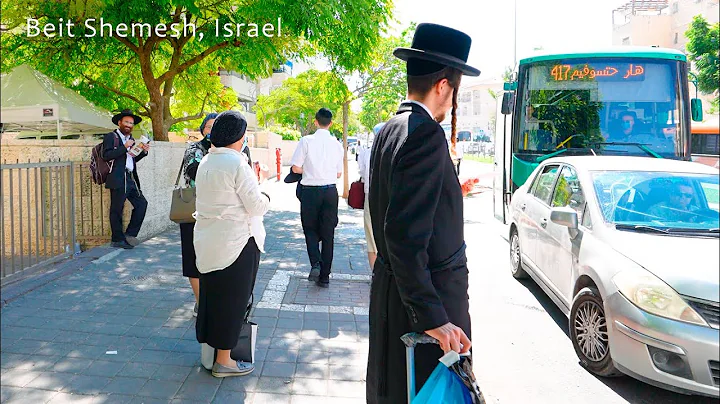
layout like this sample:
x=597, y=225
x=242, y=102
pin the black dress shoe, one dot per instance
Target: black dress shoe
x=133, y=241
x=314, y=274
x=122, y=244
x=323, y=284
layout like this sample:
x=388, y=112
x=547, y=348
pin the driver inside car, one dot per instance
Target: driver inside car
x=678, y=206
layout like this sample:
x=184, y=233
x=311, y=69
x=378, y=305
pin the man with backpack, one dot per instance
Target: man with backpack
x=123, y=181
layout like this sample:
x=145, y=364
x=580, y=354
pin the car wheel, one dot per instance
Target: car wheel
x=516, y=256
x=589, y=333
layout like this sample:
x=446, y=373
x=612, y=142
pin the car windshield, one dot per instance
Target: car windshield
x=658, y=200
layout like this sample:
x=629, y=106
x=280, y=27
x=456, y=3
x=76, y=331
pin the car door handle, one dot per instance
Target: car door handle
x=543, y=223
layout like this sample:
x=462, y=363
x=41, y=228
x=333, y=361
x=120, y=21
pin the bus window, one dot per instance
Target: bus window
x=708, y=144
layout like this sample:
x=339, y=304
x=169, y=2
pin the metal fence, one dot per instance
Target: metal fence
x=49, y=211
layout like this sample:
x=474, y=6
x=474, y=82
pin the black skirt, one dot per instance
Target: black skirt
x=189, y=266
x=224, y=298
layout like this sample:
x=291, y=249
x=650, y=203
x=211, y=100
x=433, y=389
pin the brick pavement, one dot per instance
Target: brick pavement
x=121, y=330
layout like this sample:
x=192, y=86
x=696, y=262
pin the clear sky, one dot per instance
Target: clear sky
x=549, y=24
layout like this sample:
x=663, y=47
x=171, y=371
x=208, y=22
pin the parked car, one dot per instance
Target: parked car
x=464, y=136
x=628, y=248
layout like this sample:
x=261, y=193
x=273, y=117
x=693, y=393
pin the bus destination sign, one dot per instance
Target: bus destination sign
x=604, y=72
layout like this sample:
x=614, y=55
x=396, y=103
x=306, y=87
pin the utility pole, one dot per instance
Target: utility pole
x=515, y=38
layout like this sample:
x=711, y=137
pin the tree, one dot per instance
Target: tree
x=296, y=101
x=507, y=75
x=381, y=77
x=702, y=50
x=173, y=78
x=380, y=102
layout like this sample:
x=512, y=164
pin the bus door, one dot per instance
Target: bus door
x=501, y=168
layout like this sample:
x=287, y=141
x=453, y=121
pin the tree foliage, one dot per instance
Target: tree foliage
x=702, y=49
x=380, y=102
x=172, y=79
x=296, y=101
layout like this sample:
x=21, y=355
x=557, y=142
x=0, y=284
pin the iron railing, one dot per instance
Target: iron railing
x=49, y=211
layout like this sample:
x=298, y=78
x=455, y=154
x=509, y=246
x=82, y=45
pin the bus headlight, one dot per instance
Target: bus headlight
x=651, y=294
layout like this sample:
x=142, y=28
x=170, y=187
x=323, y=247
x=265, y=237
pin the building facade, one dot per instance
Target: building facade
x=248, y=90
x=477, y=106
x=662, y=23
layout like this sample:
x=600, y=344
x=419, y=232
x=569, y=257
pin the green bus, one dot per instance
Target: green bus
x=631, y=101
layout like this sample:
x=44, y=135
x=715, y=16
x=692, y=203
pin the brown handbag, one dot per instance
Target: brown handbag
x=182, y=205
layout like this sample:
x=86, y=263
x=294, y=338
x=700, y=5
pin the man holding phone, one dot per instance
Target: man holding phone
x=123, y=181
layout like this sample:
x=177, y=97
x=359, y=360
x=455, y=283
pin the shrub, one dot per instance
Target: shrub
x=286, y=133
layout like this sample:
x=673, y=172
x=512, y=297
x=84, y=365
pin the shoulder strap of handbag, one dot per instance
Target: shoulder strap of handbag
x=182, y=164
x=247, y=313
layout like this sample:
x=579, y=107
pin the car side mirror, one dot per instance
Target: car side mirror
x=565, y=217
x=507, y=102
x=696, y=109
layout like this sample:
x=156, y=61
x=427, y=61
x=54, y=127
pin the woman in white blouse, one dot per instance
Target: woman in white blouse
x=228, y=239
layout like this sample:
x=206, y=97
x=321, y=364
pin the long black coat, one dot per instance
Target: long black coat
x=420, y=279
x=113, y=149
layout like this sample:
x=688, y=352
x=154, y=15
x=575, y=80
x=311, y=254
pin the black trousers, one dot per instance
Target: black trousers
x=117, y=204
x=319, y=216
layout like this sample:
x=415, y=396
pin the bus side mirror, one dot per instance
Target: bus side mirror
x=696, y=109
x=507, y=102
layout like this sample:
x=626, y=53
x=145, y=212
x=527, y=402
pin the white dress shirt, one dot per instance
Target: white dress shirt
x=422, y=105
x=321, y=157
x=364, y=165
x=229, y=209
x=129, y=161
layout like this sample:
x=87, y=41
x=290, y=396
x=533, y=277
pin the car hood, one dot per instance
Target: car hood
x=690, y=265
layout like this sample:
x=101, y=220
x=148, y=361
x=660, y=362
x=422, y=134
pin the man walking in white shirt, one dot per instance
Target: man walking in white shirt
x=319, y=159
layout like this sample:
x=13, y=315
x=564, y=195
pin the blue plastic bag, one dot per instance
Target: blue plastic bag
x=443, y=387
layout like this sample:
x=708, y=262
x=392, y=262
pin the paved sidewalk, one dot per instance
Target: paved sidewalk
x=121, y=329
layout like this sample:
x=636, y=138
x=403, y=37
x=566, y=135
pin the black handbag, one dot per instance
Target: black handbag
x=245, y=348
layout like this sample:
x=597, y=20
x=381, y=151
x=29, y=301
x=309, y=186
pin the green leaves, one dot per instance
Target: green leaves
x=295, y=103
x=388, y=86
x=702, y=49
x=168, y=77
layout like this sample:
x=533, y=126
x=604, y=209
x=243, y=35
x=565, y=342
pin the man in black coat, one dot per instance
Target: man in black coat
x=420, y=278
x=123, y=181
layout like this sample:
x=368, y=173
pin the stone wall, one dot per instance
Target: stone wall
x=157, y=172
x=288, y=148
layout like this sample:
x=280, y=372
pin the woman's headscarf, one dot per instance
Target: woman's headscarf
x=208, y=117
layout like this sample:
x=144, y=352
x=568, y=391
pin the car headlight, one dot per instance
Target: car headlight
x=651, y=294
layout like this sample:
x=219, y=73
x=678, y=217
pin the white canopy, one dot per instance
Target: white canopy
x=33, y=103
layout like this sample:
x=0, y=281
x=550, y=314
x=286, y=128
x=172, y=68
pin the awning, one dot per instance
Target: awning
x=35, y=104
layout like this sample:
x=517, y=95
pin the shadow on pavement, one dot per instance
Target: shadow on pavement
x=558, y=316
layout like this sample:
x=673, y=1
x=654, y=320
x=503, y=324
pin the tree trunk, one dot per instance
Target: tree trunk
x=160, y=134
x=346, y=120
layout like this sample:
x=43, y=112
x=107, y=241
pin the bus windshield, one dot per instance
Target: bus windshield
x=621, y=106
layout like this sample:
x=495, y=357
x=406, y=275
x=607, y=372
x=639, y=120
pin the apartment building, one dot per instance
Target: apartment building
x=661, y=23
x=248, y=90
x=476, y=106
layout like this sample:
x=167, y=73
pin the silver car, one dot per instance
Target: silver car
x=628, y=248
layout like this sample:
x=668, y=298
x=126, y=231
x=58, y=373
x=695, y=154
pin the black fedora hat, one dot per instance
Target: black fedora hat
x=439, y=45
x=292, y=177
x=124, y=113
